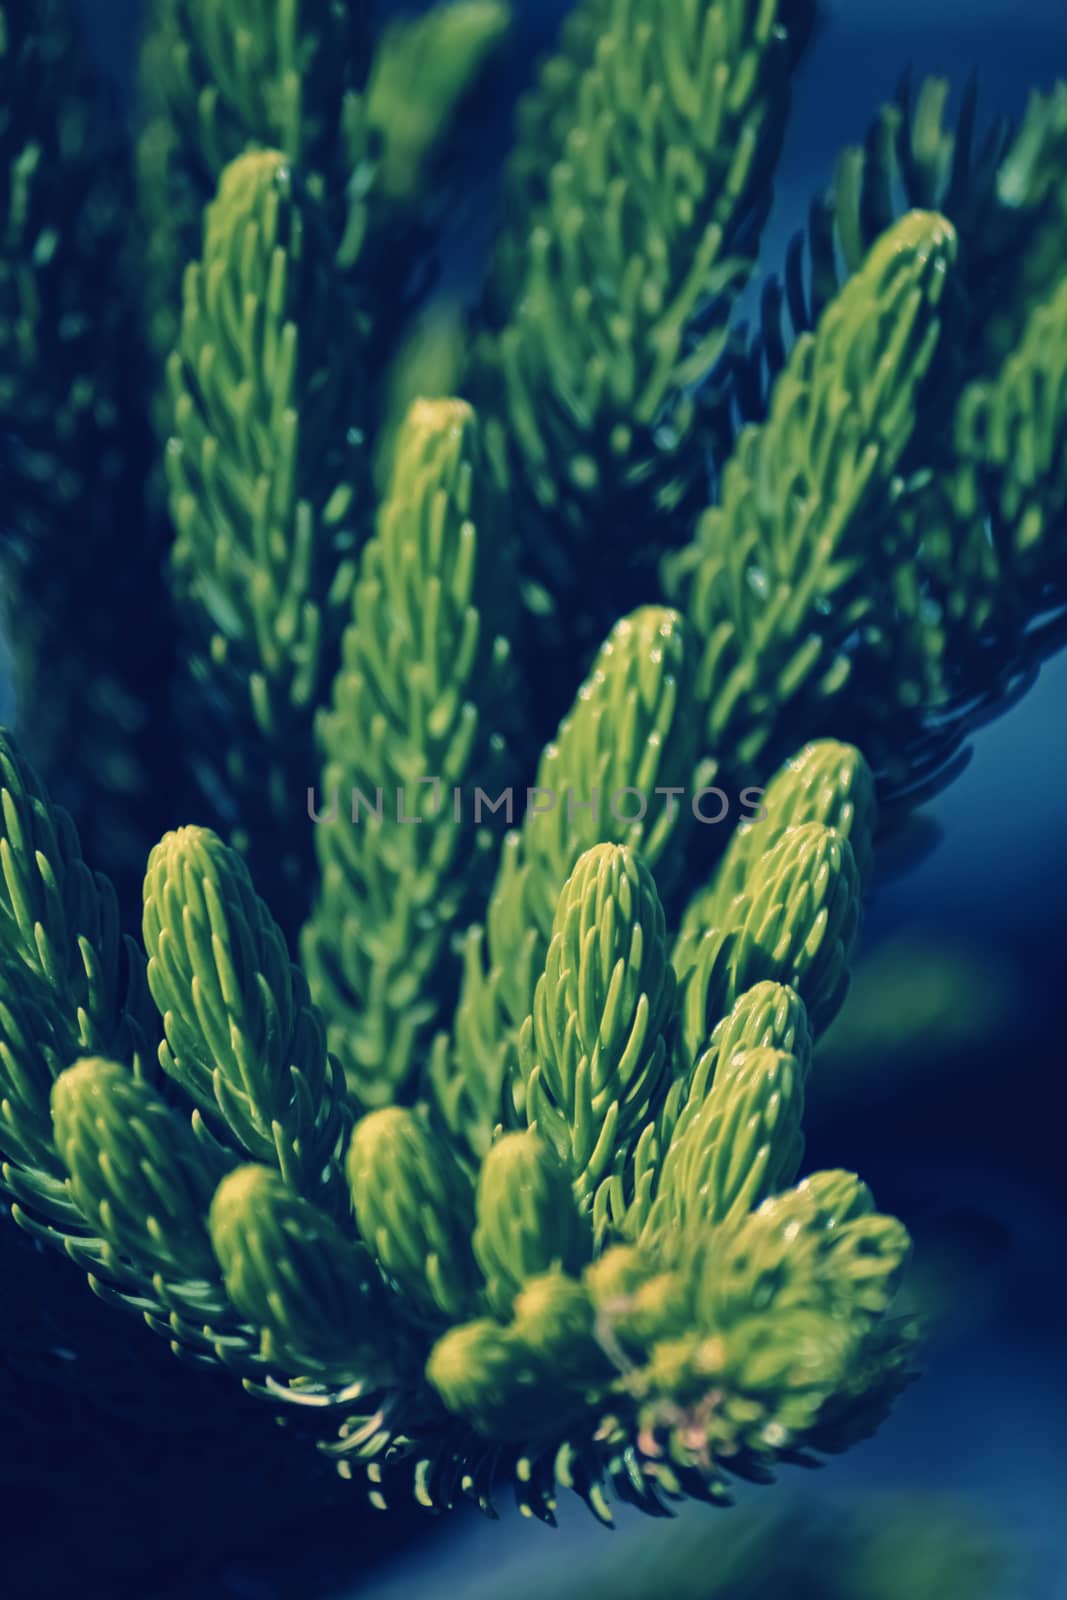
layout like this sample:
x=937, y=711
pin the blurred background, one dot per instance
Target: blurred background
x=940, y=1083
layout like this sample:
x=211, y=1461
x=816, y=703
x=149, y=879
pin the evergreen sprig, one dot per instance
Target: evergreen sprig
x=528, y=1219
x=634, y=205
x=597, y=1047
x=414, y=1204
x=293, y=1274
x=220, y=80
x=241, y=1036
x=790, y=592
x=139, y=1175
x=67, y=984
x=991, y=565
x=1001, y=188
x=267, y=494
x=821, y=803
x=96, y=1163
x=629, y=733
x=462, y=1305
x=965, y=634
x=418, y=731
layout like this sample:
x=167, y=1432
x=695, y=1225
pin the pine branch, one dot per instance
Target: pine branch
x=421, y=724
x=635, y=201
x=596, y=1051
x=241, y=1036
x=793, y=592
x=269, y=497
x=584, y=1260
x=965, y=634
x=991, y=575
x=1000, y=190
x=139, y=1176
x=96, y=1164
x=463, y=1320
x=292, y=1273
x=529, y=1222
x=217, y=81
x=630, y=732
x=414, y=1204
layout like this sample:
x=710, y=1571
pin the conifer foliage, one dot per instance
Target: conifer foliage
x=452, y=1088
